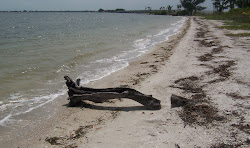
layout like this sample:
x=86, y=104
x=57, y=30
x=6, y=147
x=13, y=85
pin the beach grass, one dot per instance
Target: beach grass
x=235, y=19
x=235, y=26
x=238, y=34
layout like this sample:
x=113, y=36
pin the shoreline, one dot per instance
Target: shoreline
x=20, y=103
x=195, y=57
x=123, y=77
x=206, y=67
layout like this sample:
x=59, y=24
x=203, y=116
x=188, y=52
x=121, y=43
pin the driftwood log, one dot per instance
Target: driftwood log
x=78, y=93
x=178, y=101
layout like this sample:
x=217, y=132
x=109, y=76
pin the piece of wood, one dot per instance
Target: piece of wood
x=178, y=101
x=78, y=93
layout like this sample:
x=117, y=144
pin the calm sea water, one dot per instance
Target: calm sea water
x=38, y=49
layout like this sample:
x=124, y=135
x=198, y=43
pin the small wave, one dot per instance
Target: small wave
x=173, y=28
x=97, y=74
x=142, y=43
x=139, y=47
x=81, y=56
x=27, y=105
x=49, y=98
x=5, y=119
x=4, y=107
x=163, y=32
x=109, y=60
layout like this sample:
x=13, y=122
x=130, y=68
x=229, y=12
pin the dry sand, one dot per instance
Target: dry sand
x=201, y=63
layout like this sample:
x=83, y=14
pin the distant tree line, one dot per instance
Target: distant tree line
x=190, y=7
x=221, y=5
x=116, y=10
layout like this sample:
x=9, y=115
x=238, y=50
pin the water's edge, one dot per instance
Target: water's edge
x=48, y=109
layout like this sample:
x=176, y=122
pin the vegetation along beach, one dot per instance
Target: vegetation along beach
x=125, y=74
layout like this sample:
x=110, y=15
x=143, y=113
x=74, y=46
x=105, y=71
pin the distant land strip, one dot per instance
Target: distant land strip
x=126, y=11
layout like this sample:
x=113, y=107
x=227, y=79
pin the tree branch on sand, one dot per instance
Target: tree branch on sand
x=78, y=93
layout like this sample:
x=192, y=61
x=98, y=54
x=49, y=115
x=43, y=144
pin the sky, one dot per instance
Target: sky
x=61, y=5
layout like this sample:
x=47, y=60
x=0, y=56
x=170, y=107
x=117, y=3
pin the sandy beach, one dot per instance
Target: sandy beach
x=200, y=63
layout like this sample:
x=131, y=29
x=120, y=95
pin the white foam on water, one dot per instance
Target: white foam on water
x=97, y=74
x=140, y=46
x=40, y=100
x=163, y=32
x=172, y=30
x=4, y=120
x=142, y=43
x=49, y=98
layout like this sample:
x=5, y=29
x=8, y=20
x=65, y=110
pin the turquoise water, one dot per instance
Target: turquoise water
x=38, y=49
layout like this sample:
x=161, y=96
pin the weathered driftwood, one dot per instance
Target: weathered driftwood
x=178, y=101
x=78, y=93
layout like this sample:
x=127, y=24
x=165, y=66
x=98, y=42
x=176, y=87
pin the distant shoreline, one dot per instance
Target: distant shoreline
x=153, y=12
x=110, y=11
x=47, y=11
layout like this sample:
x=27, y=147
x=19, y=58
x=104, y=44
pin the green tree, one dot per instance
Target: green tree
x=169, y=9
x=148, y=8
x=162, y=8
x=197, y=7
x=231, y=3
x=243, y=3
x=100, y=10
x=178, y=7
x=192, y=5
x=220, y=5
